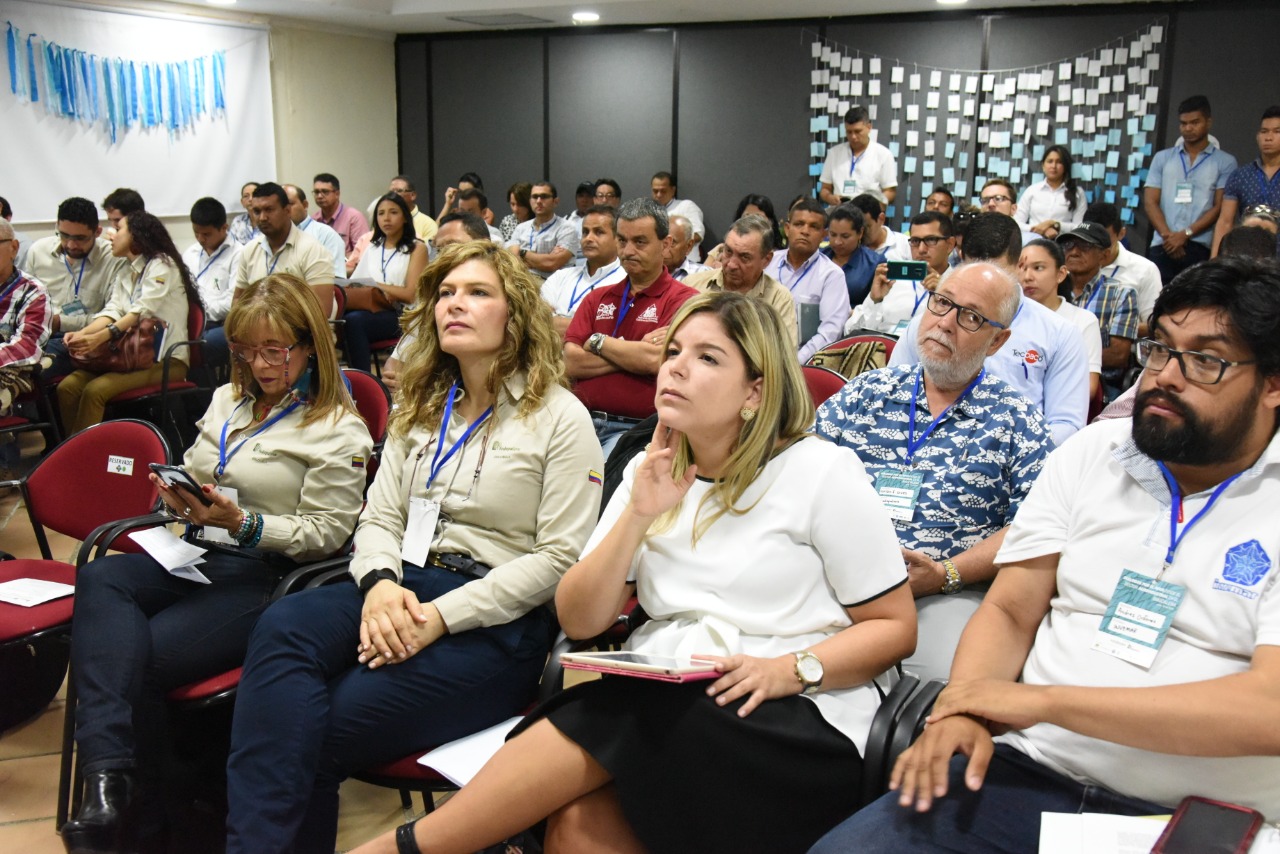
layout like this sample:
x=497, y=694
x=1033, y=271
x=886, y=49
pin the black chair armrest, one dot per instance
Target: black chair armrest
x=911, y=724
x=313, y=575
x=875, y=768
x=100, y=541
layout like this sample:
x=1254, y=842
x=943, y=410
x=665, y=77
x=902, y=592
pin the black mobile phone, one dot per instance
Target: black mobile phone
x=912, y=271
x=1204, y=826
x=176, y=477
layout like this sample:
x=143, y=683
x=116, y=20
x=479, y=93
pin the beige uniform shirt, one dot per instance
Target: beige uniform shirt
x=301, y=255
x=152, y=289
x=768, y=289
x=423, y=226
x=306, y=481
x=59, y=274
x=527, y=513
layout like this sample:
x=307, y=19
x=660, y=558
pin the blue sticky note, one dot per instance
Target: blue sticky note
x=927, y=169
x=961, y=189
x=1127, y=216
x=817, y=149
x=1077, y=147
x=1001, y=168
x=1086, y=172
x=1112, y=179
x=906, y=211
x=1087, y=149
x=1113, y=159
x=1142, y=174
x=909, y=165
x=1138, y=140
x=949, y=150
x=1037, y=152
x=818, y=124
x=1113, y=136
x=893, y=149
x=815, y=169
x=1061, y=136
x=982, y=160
x=1100, y=141
x=948, y=175
x=1109, y=197
x=833, y=135
x=1148, y=122
x=1015, y=151
x=1134, y=181
x=1146, y=152
x=889, y=212
x=964, y=160
x=1133, y=126
x=926, y=188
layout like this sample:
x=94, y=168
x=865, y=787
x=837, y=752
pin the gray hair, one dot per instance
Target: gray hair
x=6, y=230
x=646, y=208
x=1012, y=296
x=755, y=224
x=675, y=221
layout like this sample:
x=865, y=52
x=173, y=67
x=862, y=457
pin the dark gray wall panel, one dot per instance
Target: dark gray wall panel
x=610, y=109
x=413, y=105
x=1019, y=42
x=744, y=117
x=486, y=102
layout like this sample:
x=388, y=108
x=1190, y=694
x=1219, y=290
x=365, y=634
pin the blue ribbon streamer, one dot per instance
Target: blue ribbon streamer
x=219, y=81
x=31, y=70
x=11, y=52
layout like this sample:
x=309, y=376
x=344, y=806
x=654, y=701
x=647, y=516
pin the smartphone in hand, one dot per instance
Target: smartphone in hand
x=176, y=477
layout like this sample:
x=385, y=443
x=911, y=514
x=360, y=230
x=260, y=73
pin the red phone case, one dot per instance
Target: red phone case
x=1246, y=839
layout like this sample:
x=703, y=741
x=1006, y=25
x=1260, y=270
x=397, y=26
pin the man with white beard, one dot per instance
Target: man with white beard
x=952, y=450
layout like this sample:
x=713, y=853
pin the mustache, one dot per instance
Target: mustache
x=1165, y=399
x=942, y=338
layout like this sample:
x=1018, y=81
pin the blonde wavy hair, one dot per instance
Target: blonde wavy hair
x=786, y=408
x=288, y=307
x=530, y=345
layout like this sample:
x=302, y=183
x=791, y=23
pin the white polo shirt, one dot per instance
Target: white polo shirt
x=214, y=276
x=566, y=287
x=893, y=313
x=1140, y=275
x=895, y=246
x=545, y=238
x=1087, y=322
x=1104, y=507
x=874, y=171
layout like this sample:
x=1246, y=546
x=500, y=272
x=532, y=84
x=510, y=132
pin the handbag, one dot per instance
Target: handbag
x=367, y=298
x=133, y=351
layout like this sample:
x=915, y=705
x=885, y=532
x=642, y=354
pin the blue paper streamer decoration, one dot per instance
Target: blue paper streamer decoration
x=115, y=92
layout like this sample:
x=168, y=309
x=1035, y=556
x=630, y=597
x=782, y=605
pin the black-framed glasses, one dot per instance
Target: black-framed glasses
x=273, y=356
x=931, y=241
x=967, y=318
x=79, y=239
x=1197, y=367
x=541, y=196
x=606, y=196
x=998, y=199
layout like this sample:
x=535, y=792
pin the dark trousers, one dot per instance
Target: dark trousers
x=362, y=329
x=217, y=353
x=1171, y=267
x=140, y=632
x=307, y=715
x=1003, y=816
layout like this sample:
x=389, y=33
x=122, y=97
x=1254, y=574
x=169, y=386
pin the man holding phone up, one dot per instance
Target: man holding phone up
x=1128, y=653
x=899, y=289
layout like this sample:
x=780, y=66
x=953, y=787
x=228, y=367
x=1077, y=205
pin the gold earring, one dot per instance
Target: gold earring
x=747, y=414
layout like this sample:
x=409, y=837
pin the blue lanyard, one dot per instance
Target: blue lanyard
x=1097, y=292
x=1182, y=155
x=214, y=257
x=804, y=271
x=1175, y=510
x=275, y=258
x=533, y=235
x=853, y=163
x=918, y=299
x=914, y=444
x=223, y=456
x=577, y=296
x=625, y=306
x=12, y=283
x=79, y=278
x=383, y=261
x=438, y=462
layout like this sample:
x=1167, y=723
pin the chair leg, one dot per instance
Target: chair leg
x=428, y=802
x=67, y=781
x=406, y=800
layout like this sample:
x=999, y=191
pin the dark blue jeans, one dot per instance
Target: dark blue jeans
x=307, y=715
x=365, y=327
x=1171, y=267
x=140, y=632
x=1002, y=816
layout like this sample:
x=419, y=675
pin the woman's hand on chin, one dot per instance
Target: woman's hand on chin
x=394, y=626
x=655, y=490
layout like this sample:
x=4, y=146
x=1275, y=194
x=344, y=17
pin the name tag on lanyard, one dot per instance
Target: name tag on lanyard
x=899, y=492
x=214, y=534
x=1138, y=618
x=1182, y=193
x=420, y=532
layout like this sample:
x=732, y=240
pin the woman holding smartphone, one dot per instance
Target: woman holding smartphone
x=753, y=544
x=280, y=460
x=488, y=488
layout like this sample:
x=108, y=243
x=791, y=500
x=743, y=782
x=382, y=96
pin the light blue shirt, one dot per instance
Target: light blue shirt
x=1207, y=175
x=330, y=240
x=819, y=281
x=1044, y=359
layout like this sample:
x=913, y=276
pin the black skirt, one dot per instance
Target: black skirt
x=693, y=776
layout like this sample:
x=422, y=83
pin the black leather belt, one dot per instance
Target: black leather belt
x=459, y=563
x=608, y=416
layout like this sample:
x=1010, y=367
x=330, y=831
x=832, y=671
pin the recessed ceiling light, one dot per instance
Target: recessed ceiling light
x=952, y=2
x=585, y=18
x=221, y=2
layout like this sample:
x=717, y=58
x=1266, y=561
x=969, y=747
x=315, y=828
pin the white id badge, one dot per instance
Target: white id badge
x=850, y=187
x=214, y=534
x=900, y=329
x=420, y=531
x=1182, y=194
x=1138, y=618
x=899, y=491
x=74, y=307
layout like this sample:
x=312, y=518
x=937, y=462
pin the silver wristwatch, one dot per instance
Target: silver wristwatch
x=808, y=671
x=595, y=343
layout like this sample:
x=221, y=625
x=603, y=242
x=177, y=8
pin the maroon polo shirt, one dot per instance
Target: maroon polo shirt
x=622, y=393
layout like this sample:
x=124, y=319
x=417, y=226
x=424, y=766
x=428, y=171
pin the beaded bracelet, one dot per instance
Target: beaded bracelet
x=246, y=523
x=256, y=536
x=250, y=530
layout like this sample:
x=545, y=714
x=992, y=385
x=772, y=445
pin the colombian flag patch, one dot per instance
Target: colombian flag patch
x=357, y=462
x=595, y=477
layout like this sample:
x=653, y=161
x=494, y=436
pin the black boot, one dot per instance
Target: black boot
x=105, y=821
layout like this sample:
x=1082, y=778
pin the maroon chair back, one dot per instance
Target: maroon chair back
x=822, y=382
x=373, y=402
x=195, y=332
x=96, y=476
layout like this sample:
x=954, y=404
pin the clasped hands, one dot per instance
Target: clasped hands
x=394, y=626
x=84, y=343
x=965, y=717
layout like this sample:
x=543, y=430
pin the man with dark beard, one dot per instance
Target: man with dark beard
x=1128, y=653
x=952, y=450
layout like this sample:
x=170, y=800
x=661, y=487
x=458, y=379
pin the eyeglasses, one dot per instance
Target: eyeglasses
x=931, y=241
x=319, y=192
x=967, y=318
x=1197, y=367
x=541, y=196
x=997, y=199
x=75, y=238
x=606, y=195
x=274, y=357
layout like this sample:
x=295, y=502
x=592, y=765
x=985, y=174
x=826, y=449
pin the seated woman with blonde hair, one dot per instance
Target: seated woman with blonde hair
x=753, y=544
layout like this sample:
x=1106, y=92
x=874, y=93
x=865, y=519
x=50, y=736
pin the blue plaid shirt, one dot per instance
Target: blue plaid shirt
x=978, y=463
x=1115, y=306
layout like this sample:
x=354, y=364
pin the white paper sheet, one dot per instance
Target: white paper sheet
x=29, y=592
x=176, y=555
x=462, y=759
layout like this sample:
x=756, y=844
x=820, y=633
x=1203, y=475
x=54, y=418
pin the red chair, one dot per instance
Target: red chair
x=48, y=418
x=822, y=383
x=179, y=429
x=79, y=489
x=386, y=345
x=856, y=354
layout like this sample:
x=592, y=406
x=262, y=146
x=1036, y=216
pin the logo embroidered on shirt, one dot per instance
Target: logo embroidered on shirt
x=650, y=315
x=1032, y=357
x=606, y=311
x=1245, y=565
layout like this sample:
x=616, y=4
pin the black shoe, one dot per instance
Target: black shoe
x=105, y=821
